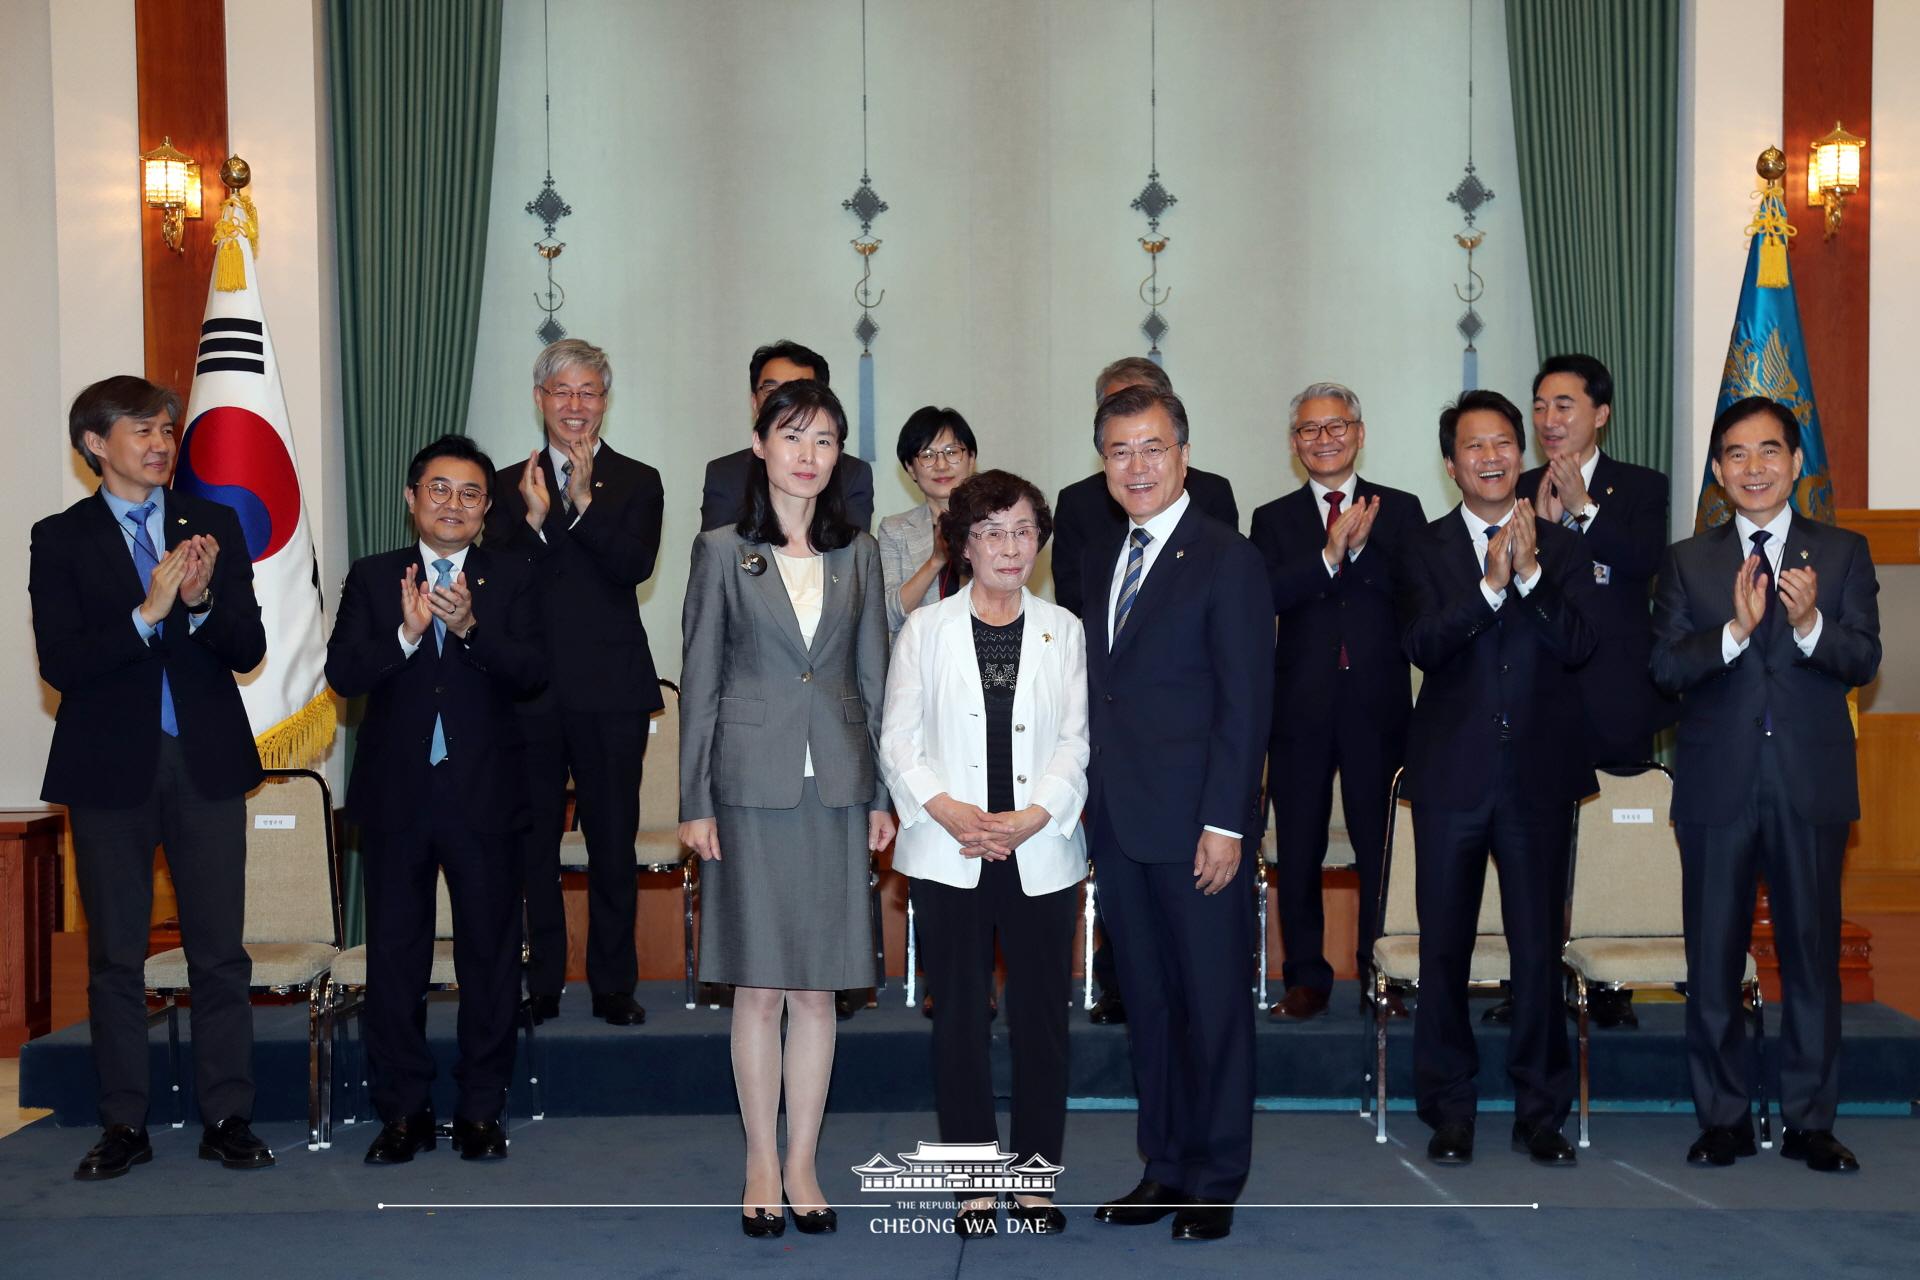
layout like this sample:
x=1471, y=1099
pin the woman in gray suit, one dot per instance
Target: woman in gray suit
x=984, y=748
x=782, y=680
x=938, y=451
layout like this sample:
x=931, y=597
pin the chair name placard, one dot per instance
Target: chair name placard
x=1633, y=817
x=286, y=822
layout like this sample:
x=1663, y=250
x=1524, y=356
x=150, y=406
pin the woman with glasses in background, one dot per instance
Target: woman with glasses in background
x=984, y=749
x=937, y=449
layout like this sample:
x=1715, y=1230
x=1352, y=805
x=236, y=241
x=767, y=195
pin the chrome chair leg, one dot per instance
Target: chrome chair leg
x=1380, y=1057
x=173, y=1058
x=315, y=997
x=1260, y=879
x=1580, y=1008
x=1086, y=948
x=913, y=954
x=686, y=896
x=1760, y=1065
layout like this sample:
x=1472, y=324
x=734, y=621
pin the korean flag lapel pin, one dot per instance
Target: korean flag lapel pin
x=1803, y=553
x=1180, y=553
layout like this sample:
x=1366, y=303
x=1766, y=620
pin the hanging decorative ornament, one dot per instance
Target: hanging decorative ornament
x=1153, y=199
x=1470, y=194
x=549, y=208
x=865, y=204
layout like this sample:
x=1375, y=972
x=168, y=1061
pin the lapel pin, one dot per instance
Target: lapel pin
x=753, y=564
x=1046, y=637
x=480, y=582
x=1609, y=491
x=836, y=578
x=598, y=484
x=1803, y=553
x=1181, y=554
x=180, y=520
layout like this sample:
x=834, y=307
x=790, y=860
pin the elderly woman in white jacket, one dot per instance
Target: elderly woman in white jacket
x=984, y=749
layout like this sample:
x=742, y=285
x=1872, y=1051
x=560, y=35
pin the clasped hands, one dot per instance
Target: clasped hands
x=992, y=836
x=183, y=575
x=1515, y=550
x=1348, y=535
x=533, y=481
x=1563, y=489
x=1799, y=590
x=420, y=604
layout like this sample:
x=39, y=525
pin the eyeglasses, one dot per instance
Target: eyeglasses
x=994, y=537
x=1151, y=454
x=1335, y=429
x=587, y=399
x=442, y=493
x=949, y=453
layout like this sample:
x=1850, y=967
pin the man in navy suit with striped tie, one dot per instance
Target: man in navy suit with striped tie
x=143, y=611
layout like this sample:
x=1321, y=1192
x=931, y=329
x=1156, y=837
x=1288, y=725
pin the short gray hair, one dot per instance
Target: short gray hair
x=567, y=353
x=1137, y=371
x=1324, y=391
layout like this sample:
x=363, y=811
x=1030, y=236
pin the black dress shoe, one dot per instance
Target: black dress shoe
x=1451, y=1143
x=1500, y=1014
x=1148, y=1202
x=1208, y=1221
x=545, y=1007
x=1396, y=1005
x=1608, y=1009
x=1108, y=1011
x=619, y=1010
x=1543, y=1145
x=1820, y=1149
x=818, y=1222
x=479, y=1139
x=1718, y=1145
x=974, y=1223
x=845, y=1003
x=232, y=1143
x=1035, y=1219
x=762, y=1225
x=121, y=1147
x=398, y=1140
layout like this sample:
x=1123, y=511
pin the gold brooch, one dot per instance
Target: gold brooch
x=1181, y=554
x=1803, y=553
x=1046, y=637
x=181, y=520
x=1609, y=491
x=480, y=582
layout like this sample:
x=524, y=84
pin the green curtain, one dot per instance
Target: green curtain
x=1595, y=120
x=414, y=91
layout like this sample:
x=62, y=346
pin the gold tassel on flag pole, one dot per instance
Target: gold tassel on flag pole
x=1770, y=221
x=237, y=218
x=302, y=739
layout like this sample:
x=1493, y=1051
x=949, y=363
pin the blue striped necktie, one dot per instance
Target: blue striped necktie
x=443, y=577
x=146, y=561
x=1769, y=621
x=1130, y=585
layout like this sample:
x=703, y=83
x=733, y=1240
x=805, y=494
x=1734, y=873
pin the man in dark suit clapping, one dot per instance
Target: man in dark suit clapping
x=143, y=611
x=1341, y=691
x=1762, y=625
x=1179, y=677
x=1496, y=615
x=440, y=637
x=589, y=518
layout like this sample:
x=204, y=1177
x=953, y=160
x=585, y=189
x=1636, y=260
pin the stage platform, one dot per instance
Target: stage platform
x=679, y=1063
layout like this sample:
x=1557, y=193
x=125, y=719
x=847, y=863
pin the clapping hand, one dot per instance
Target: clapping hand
x=1799, y=589
x=453, y=605
x=580, y=483
x=1568, y=485
x=416, y=605
x=1524, y=542
x=1500, y=558
x=533, y=492
x=1349, y=533
x=1749, y=597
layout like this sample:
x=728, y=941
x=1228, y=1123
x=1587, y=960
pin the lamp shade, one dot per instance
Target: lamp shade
x=165, y=176
x=1836, y=161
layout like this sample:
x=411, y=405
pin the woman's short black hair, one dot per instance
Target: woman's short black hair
x=1752, y=407
x=1469, y=402
x=795, y=404
x=923, y=427
x=983, y=494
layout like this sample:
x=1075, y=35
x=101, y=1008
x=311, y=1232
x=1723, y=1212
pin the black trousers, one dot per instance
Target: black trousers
x=206, y=844
x=1186, y=972
x=1528, y=840
x=957, y=929
x=1719, y=867
x=603, y=752
x=1301, y=780
x=483, y=882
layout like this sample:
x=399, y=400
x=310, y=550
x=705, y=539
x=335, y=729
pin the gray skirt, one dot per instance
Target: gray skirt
x=786, y=903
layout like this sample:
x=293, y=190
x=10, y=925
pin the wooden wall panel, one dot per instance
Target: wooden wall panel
x=1893, y=537
x=181, y=46
x=1883, y=852
x=1828, y=76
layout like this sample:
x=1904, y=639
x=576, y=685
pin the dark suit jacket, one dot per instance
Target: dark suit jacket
x=470, y=687
x=1628, y=538
x=106, y=740
x=598, y=657
x=1179, y=711
x=1086, y=516
x=1319, y=612
x=1723, y=705
x=724, y=490
x=1482, y=665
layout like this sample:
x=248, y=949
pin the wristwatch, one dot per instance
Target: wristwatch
x=204, y=603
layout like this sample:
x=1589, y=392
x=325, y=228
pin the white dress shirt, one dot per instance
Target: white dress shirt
x=428, y=554
x=1776, y=547
x=1477, y=530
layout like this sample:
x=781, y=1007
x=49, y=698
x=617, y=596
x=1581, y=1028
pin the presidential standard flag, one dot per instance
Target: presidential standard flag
x=238, y=450
x=1767, y=358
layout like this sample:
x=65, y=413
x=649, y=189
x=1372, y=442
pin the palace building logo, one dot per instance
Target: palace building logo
x=962, y=1169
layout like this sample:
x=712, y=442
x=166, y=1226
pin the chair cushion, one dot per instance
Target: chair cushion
x=652, y=851
x=1398, y=956
x=350, y=969
x=275, y=964
x=1638, y=961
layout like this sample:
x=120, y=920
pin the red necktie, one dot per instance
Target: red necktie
x=1334, y=499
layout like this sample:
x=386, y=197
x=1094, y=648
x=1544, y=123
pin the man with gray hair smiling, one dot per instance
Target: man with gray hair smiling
x=1341, y=692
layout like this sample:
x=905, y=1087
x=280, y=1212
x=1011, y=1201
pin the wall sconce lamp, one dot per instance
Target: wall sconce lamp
x=1833, y=173
x=170, y=180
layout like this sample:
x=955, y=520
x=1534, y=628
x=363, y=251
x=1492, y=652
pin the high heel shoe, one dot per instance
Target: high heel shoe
x=1037, y=1219
x=762, y=1225
x=819, y=1222
x=974, y=1223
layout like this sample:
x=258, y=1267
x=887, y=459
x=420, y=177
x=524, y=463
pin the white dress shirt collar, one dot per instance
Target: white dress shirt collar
x=1347, y=490
x=560, y=460
x=459, y=558
x=1777, y=529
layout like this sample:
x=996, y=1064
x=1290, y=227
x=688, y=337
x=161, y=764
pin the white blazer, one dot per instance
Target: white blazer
x=933, y=738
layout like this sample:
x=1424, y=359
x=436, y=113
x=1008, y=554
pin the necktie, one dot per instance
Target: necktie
x=1130, y=585
x=1333, y=501
x=443, y=577
x=1488, y=535
x=1763, y=634
x=146, y=561
x=566, y=486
